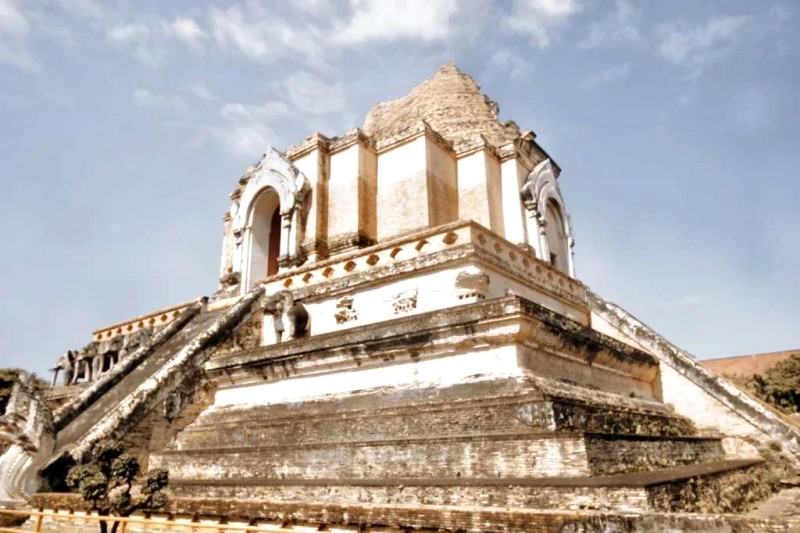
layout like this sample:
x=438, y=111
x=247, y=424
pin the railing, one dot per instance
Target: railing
x=165, y=522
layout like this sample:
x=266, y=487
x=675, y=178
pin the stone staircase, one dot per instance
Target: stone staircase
x=83, y=422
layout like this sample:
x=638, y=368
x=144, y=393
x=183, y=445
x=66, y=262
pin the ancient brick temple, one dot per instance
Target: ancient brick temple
x=399, y=339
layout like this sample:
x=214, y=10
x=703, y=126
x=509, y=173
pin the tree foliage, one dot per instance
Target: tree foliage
x=106, y=481
x=779, y=386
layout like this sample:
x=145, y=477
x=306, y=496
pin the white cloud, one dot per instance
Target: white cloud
x=14, y=32
x=515, y=64
x=619, y=26
x=188, y=31
x=149, y=39
x=378, y=20
x=167, y=102
x=201, y=90
x=262, y=34
x=249, y=129
x=687, y=300
x=606, y=76
x=541, y=18
x=140, y=40
x=695, y=47
x=312, y=94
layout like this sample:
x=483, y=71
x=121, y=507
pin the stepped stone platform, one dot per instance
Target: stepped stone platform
x=511, y=443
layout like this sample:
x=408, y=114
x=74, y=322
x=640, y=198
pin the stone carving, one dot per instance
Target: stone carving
x=345, y=311
x=97, y=358
x=66, y=363
x=230, y=279
x=27, y=426
x=472, y=283
x=106, y=356
x=245, y=337
x=405, y=301
x=288, y=316
x=84, y=363
x=134, y=340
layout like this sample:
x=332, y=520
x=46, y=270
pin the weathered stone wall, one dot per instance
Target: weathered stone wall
x=735, y=491
x=614, y=454
x=484, y=456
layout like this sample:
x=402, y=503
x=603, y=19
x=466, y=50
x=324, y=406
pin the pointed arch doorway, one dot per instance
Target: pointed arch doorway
x=265, y=236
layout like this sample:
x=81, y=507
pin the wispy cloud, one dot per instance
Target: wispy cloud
x=687, y=300
x=696, y=47
x=540, y=19
x=312, y=94
x=199, y=89
x=249, y=129
x=262, y=34
x=605, y=77
x=14, y=38
x=149, y=39
x=143, y=98
x=515, y=65
x=620, y=26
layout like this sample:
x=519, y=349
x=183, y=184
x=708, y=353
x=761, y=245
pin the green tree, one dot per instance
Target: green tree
x=778, y=386
x=105, y=481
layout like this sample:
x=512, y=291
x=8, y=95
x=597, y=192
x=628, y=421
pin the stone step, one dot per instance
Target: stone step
x=520, y=454
x=507, y=405
x=264, y=424
x=719, y=486
x=783, y=504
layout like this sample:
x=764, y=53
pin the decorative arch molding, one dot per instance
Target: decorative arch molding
x=276, y=173
x=539, y=190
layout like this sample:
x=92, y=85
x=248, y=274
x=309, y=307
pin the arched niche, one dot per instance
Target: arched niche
x=268, y=219
x=549, y=228
x=265, y=235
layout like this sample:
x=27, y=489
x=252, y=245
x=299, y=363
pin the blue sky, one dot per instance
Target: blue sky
x=125, y=125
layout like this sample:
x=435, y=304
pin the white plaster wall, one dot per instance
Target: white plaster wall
x=513, y=174
x=402, y=189
x=705, y=411
x=442, y=184
x=312, y=165
x=435, y=290
x=473, y=198
x=475, y=366
x=343, y=192
x=600, y=324
x=495, y=191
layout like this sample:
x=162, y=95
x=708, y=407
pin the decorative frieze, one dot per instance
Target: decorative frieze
x=472, y=284
x=344, y=311
x=405, y=302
